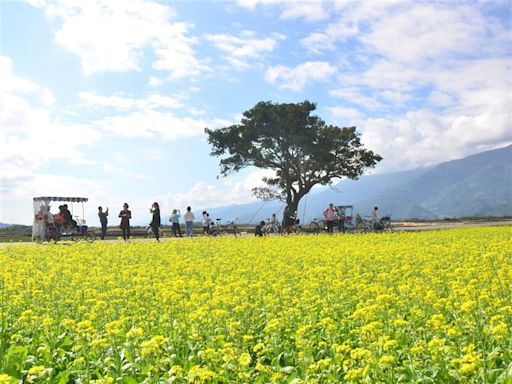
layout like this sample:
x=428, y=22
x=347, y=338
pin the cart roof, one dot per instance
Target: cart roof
x=60, y=198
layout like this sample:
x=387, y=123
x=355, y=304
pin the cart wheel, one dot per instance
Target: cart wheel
x=350, y=229
x=76, y=236
x=90, y=236
x=314, y=228
x=52, y=235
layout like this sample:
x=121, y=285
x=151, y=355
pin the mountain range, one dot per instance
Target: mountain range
x=479, y=185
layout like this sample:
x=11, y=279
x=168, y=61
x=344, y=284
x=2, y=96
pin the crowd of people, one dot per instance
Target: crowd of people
x=156, y=222
x=63, y=221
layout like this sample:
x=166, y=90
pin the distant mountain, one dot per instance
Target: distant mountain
x=2, y=225
x=345, y=192
x=478, y=185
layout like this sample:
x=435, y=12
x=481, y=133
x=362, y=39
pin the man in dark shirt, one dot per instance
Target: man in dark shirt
x=103, y=220
x=69, y=223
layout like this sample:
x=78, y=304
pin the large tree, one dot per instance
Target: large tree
x=299, y=147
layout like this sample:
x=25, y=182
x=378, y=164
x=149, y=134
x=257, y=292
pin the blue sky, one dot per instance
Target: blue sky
x=109, y=99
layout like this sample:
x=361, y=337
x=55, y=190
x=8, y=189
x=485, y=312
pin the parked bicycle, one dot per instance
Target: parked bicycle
x=272, y=226
x=383, y=224
x=317, y=224
x=229, y=228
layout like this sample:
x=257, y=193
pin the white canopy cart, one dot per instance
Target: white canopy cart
x=54, y=226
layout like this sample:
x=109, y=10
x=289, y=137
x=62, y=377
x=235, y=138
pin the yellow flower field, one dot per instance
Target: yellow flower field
x=424, y=307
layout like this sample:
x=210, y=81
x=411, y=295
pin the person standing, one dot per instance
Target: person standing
x=330, y=217
x=125, y=216
x=103, y=221
x=286, y=218
x=376, y=224
x=189, y=222
x=205, y=221
x=155, y=222
x=341, y=218
x=175, y=220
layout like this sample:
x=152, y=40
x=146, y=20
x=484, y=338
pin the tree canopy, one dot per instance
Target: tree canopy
x=299, y=147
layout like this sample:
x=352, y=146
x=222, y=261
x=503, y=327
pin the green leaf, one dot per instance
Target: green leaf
x=15, y=359
x=66, y=343
x=129, y=380
x=288, y=369
x=62, y=377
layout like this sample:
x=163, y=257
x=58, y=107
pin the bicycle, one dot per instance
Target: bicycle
x=316, y=225
x=229, y=228
x=381, y=225
x=79, y=232
x=386, y=224
x=294, y=227
x=272, y=228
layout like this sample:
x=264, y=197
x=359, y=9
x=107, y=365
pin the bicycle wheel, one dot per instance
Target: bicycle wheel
x=52, y=235
x=76, y=236
x=236, y=231
x=350, y=228
x=90, y=236
x=314, y=228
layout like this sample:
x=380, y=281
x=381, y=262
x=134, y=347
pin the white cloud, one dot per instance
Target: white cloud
x=309, y=10
x=20, y=185
x=348, y=115
x=150, y=101
x=427, y=32
x=420, y=138
x=31, y=139
x=225, y=192
x=243, y=50
x=112, y=35
x=16, y=85
x=151, y=123
x=356, y=96
x=297, y=78
x=30, y=136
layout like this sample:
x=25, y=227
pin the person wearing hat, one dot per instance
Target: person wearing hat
x=125, y=216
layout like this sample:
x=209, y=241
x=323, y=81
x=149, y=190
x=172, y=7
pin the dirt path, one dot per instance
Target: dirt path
x=446, y=225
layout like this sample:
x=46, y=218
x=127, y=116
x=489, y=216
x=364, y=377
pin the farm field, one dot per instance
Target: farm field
x=404, y=307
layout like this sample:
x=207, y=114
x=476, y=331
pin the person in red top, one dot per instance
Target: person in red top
x=125, y=216
x=330, y=217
